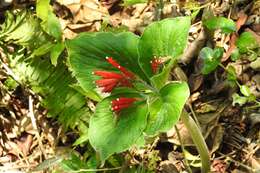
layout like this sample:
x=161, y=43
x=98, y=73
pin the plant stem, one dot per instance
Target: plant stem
x=198, y=141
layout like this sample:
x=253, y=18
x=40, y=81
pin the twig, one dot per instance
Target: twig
x=183, y=150
x=5, y=168
x=34, y=124
x=194, y=48
x=237, y=162
x=194, y=115
x=96, y=170
x=10, y=72
x=159, y=10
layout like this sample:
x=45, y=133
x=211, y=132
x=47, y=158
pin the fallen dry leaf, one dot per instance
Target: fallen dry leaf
x=232, y=46
x=242, y=17
x=85, y=11
x=195, y=81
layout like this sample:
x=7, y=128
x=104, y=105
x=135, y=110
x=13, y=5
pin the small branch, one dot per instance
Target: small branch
x=96, y=170
x=198, y=140
x=183, y=150
x=34, y=125
x=194, y=48
x=159, y=10
x=31, y=114
x=10, y=72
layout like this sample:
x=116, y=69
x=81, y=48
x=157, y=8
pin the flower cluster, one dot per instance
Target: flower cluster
x=122, y=103
x=155, y=64
x=110, y=80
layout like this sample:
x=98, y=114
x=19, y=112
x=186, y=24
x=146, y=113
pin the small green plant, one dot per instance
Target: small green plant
x=211, y=59
x=130, y=75
x=126, y=74
x=225, y=25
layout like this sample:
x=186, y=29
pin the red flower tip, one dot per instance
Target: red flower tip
x=155, y=63
x=122, y=69
x=107, y=85
x=110, y=80
x=108, y=75
x=122, y=103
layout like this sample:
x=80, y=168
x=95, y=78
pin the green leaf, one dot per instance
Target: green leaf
x=24, y=29
x=50, y=23
x=235, y=55
x=55, y=52
x=231, y=73
x=245, y=90
x=42, y=9
x=133, y=2
x=246, y=42
x=73, y=163
x=166, y=38
x=109, y=135
x=83, y=133
x=89, y=94
x=255, y=64
x=52, y=26
x=165, y=110
x=237, y=99
x=88, y=51
x=211, y=59
x=160, y=79
x=42, y=50
x=54, y=85
x=226, y=25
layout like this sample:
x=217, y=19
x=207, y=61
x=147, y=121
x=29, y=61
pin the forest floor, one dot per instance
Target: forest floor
x=29, y=140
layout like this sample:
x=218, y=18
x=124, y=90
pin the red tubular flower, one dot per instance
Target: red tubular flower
x=108, y=75
x=122, y=69
x=155, y=63
x=122, y=103
x=110, y=80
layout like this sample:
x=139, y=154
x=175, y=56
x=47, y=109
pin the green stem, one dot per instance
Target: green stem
x=198, y=141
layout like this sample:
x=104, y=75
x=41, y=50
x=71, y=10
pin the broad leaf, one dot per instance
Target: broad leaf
x=88, y=51
x=109, y=135
x=166, y=109
x=166, y=38
x=211, y=59
x=226, y=25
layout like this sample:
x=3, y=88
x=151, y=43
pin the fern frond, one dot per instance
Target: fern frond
x=23, y=28
x=52, y=83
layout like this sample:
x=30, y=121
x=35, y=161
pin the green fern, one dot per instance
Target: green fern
x=21, y=27
x=52, y=83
